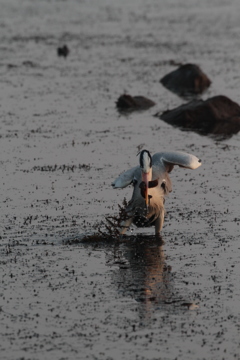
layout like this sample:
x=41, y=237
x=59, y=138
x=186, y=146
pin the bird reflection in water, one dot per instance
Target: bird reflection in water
x=143, y=273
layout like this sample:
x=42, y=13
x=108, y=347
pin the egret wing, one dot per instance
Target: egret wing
x=125, y=178
x=171, y=158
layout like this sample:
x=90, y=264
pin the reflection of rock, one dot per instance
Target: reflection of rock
x=131, y=103
x=187, y=80
x=217, y=115
x=63, y=51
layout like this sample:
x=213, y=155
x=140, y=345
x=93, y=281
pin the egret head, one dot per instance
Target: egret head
x=146, y=167
x=145, y=161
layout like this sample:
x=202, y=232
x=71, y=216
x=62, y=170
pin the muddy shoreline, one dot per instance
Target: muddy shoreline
x=62, y=144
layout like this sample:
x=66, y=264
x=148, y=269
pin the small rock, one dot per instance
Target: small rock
x=127, y=102
x=63, y=51
x=188, y=80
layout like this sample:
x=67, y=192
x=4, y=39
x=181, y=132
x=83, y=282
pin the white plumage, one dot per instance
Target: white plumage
x=151, y=183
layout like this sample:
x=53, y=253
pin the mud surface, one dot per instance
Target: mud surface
x=62, y=144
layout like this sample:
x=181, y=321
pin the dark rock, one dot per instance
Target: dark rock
x=126, y=103
x=63, y=51
x=187, y=81
x=218, y=115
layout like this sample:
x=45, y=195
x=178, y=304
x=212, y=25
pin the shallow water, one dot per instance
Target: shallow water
x=62, y=144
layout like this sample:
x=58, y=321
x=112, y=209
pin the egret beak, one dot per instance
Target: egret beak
x=146, y=177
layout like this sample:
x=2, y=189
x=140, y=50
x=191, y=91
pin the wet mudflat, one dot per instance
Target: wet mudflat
x=62, y=144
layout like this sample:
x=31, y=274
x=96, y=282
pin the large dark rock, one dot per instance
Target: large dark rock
x=126, y=103
x=187, y=81
x=218, y=115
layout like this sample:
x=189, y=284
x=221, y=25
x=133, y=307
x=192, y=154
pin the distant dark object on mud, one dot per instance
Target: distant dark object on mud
x=63, y=51
x=218, y=115
x=187, y=81
x=128, y=103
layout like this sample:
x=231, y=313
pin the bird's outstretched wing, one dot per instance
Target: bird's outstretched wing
x=171, y=158
x=126, y=178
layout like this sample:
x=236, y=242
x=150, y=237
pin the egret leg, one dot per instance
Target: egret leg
x=125, y=225
x=159, y=223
